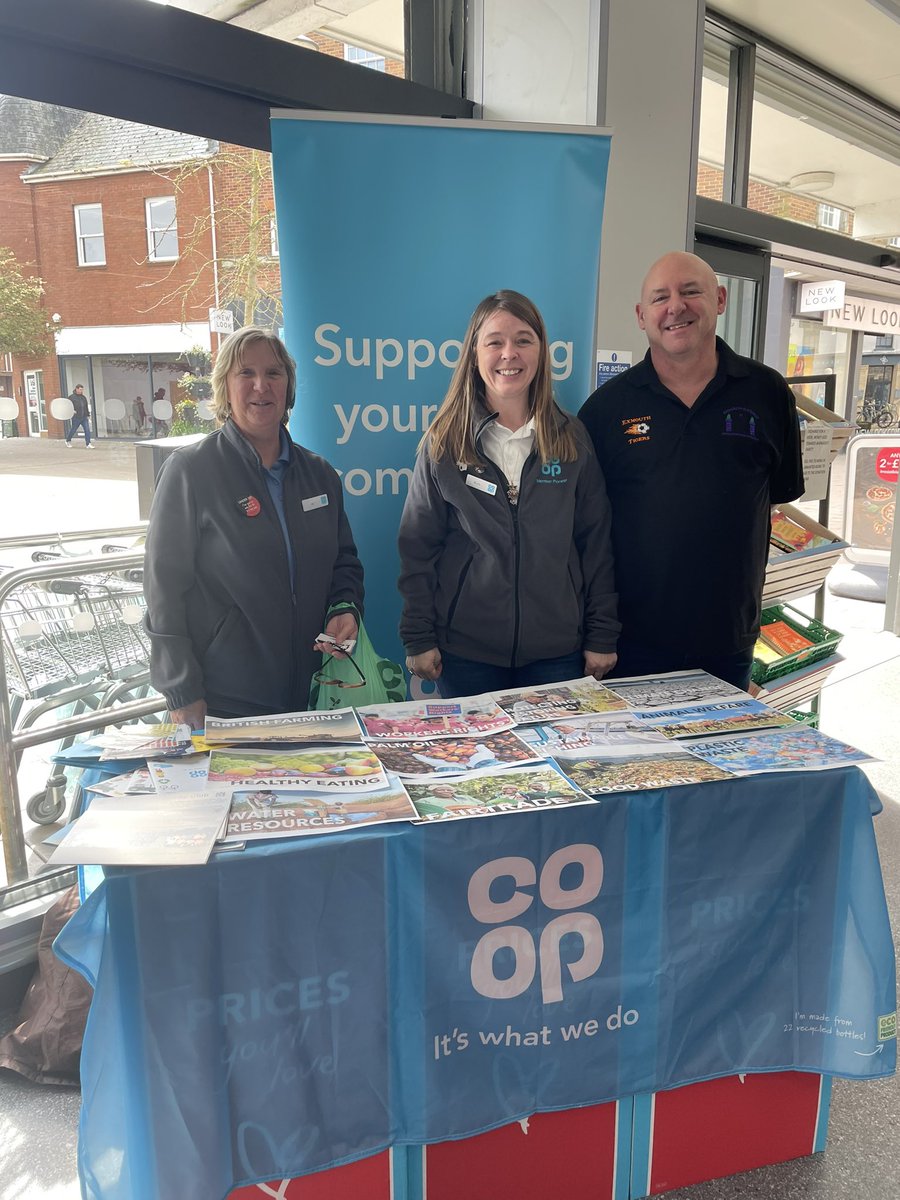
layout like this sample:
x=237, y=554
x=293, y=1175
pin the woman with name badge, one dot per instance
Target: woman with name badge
x=248, y=548
x=506, y=562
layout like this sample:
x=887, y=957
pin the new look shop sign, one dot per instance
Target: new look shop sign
x=821, y=296
x=873, y=316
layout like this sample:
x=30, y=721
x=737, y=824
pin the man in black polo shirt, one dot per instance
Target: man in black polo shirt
x=696, y=444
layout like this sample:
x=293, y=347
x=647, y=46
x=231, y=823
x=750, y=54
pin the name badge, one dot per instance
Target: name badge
x=481, y=485
x=315, y=502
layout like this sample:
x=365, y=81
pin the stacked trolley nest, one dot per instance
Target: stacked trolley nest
x=73, y=642
x=65, y=632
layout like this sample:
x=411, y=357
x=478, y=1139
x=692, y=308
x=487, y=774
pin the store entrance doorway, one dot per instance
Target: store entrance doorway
x=744, y=273
x=876, y=410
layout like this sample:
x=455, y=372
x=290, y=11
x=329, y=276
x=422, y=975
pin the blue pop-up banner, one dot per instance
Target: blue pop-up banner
x=390, y=232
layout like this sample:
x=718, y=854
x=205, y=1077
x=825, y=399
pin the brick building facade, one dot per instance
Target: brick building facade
x=88, y=206
x=777, y=202
x=78, y=194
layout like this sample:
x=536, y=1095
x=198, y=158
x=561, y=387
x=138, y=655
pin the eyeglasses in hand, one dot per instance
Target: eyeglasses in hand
x=319, y=676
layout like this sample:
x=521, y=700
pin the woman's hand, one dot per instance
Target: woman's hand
x=193, y=715
x=343, y=627
x=599, y=665
x=426, y=665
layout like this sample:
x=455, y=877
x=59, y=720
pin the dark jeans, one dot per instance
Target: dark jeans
x=82, y=423
x=465, y=677
x=648, y=660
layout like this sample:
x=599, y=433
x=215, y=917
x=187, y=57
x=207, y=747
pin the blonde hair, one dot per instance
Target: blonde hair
x=452, y=433
x=231, y=354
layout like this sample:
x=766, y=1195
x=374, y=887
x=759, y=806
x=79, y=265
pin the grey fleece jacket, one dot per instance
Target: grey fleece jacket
x=225, y=623
x=501, y=583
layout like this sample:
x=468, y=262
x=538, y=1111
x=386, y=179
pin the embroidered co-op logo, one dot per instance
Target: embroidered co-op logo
x=551, y=472
x=530, y=952
x=249, y=506
x=636, y=429
x=741, y=422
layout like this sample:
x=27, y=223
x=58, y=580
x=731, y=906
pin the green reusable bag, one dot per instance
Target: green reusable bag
x=385, y=683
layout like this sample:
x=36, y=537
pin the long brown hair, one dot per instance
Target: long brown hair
x=452, y=433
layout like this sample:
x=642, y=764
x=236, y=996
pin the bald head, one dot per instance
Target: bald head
x=687, y=266
x=680, y=301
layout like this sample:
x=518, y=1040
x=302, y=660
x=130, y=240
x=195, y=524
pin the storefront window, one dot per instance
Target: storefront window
x=713, y=118
x=374, y=28
x=819, y=154
x=814, y=349
x=878, y=392
x=819, y=159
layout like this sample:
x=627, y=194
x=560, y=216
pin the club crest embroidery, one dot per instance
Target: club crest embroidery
x=249, y=506
x=741, y=422
x=636, y=429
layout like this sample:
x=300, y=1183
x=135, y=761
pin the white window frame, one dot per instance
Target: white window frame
x=830, y=216
x=273, y=236
x=364, y=58
x=154, y=231
x=81, y=239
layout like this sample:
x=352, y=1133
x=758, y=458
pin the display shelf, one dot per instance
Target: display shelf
x=801, y=572
x=840, y=429
x=798, y=687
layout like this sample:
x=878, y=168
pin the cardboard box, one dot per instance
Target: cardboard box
x=618, y=1151
x=581, y=1154
x=722, y=1127
x=371, y=1178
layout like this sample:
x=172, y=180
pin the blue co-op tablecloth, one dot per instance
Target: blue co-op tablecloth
x=305, y=1003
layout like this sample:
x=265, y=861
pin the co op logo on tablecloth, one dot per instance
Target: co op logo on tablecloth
x=529, y=951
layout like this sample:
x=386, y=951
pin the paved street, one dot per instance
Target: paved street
x=45, y=487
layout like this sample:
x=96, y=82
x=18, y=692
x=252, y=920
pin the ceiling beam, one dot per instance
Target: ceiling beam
x=162, y=66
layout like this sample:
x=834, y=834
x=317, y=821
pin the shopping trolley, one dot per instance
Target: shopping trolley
x=72, y=640
x=70, y=631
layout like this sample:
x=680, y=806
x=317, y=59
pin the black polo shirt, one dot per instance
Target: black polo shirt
x=691, y=491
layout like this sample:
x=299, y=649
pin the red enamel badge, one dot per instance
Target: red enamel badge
x=250, y=506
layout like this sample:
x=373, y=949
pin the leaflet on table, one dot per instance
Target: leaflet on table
x=725, y=716
x=340, y=725
x=186, y=775
x=143, y=741
x=260, y=814
x=575, y=697
x=133, y=783
x=426, y=719
x=797, y=749
x=145, y=831
x=492, y=792
x=439, y=757
x=336, y=769
x=675, y=687
x=635, y=768
x=614, y=729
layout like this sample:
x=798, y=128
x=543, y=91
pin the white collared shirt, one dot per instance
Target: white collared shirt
x=509, y=448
